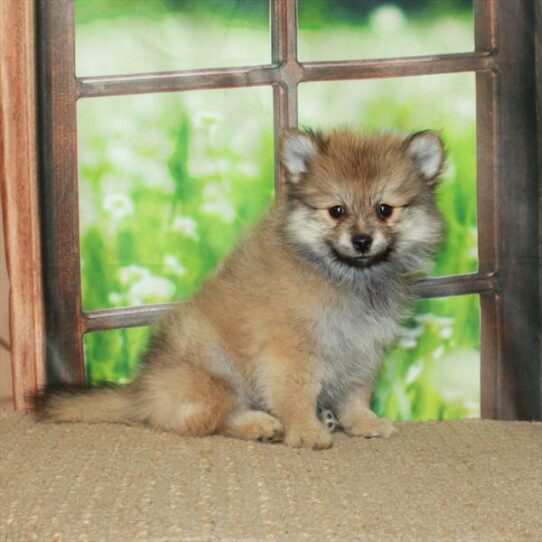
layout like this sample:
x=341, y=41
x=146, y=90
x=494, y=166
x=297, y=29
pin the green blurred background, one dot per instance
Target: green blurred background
x=169, y=181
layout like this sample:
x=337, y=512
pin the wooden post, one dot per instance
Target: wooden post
x=19, y=191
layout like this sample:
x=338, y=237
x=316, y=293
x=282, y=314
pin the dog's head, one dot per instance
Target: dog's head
x=357, y=202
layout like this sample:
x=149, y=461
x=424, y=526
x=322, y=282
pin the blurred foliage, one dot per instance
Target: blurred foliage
x=352, y=12
x=323, y=11
x=243, y=10
x=168, y=182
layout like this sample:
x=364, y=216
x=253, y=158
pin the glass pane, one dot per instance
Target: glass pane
x=167, y=184
x=434, y=371
x=443, y=102
x=114, y=356
x=363, y=29
x=133, y=36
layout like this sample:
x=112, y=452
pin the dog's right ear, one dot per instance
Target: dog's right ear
x=426, y=149
x=297, y=150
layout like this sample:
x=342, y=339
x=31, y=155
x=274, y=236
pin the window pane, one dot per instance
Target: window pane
x=363, y=29
x=133, y=36
x=167, y=184
x=114, y=356
x=434, y=371
x=444, y=102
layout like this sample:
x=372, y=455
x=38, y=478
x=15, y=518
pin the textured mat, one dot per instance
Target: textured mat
x=436, y=481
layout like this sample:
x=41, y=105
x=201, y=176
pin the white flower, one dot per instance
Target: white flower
x=425, y=318
x=151, y=289
x=438, y=352
x=473, y=238
x=118, y=206
x=172, y=264
x=450, y=170
x=217, y=201
x=430, y=318
x=446, y=332
x=223, y=209
x=387, y=19
x=444, y=321
x=132, y=273
x=115, y=298
x=407, y=343
x=185, y=225
x=457, y=376
x=411, y=332
x=414, y=371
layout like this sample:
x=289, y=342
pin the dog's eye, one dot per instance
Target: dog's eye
x=337, y=211
x=384, y=211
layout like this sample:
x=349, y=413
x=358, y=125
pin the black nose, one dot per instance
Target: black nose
x=362, y=242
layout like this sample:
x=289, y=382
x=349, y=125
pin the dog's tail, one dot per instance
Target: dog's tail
x=107, y=404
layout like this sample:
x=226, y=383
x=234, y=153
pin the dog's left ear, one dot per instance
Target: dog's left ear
x=298, y=149
x=427, y=151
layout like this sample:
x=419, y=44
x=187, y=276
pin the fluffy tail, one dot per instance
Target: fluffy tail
x=114, y=405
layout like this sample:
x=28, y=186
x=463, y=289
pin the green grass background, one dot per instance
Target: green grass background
x=169, y=181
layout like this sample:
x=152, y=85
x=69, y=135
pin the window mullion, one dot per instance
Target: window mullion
x=284, y=54
x=508, y=220
x=59, y=191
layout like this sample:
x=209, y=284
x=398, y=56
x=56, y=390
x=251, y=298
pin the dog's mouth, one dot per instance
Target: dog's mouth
x=360, y=262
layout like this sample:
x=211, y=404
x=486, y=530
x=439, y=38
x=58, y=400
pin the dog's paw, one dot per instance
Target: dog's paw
x=268, y=430
x=370, y=427
x=315, y=436
x=328, y=418
x=254, y=425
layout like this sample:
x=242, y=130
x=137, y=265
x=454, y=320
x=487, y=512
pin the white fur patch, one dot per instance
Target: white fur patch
x=380, y=244
x=418, y=228
x=352, y=336
x=297, y=151
x=427, y=152
x=304, y=228
x=344, y=244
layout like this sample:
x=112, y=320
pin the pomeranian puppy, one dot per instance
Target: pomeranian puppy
x=296, y=320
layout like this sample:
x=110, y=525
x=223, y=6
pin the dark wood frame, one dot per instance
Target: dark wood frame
x=508, y=189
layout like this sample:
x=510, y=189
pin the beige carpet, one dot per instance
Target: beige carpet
x=457, y=481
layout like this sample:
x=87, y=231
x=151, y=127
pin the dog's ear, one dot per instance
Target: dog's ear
x=426, y=149
x=297, y=150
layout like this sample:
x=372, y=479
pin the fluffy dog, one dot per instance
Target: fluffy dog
x=296, y=320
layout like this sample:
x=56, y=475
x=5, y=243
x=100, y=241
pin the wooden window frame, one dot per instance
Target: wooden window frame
x=508, y=279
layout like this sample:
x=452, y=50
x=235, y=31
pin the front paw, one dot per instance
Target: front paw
x=314, y=436
x=370, y=427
